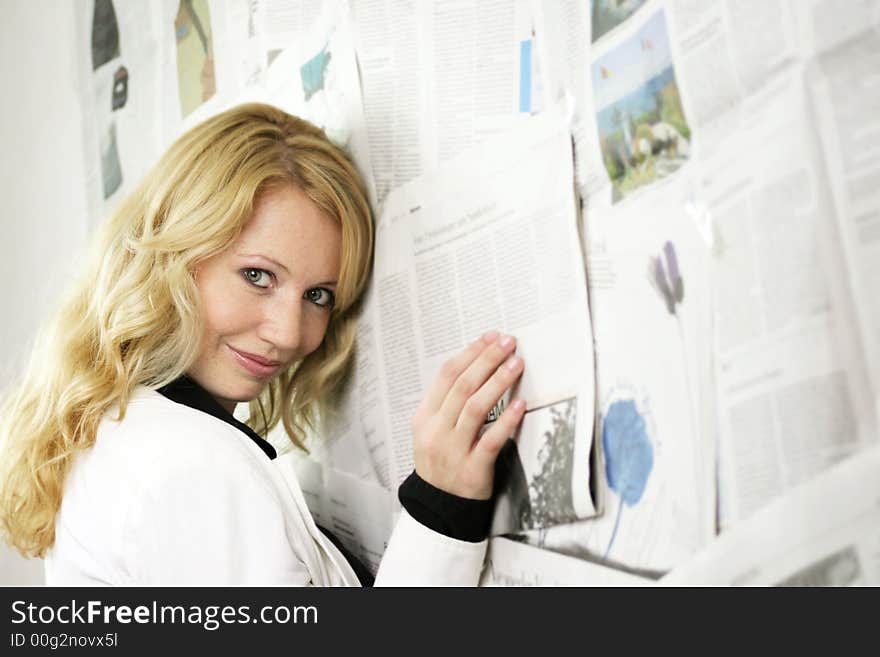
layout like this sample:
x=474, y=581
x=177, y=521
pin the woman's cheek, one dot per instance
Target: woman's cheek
x=319, y=335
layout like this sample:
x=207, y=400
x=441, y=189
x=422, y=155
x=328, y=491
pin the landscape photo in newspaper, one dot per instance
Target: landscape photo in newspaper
x=643, y=132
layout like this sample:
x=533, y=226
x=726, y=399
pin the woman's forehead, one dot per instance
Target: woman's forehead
x=288, y=227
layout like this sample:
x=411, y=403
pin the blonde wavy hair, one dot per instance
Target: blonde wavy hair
x=134, y=317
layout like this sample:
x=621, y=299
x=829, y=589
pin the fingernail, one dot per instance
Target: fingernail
x=514, y=363
x=506, y=340
x=490, y=337
x=518, y=404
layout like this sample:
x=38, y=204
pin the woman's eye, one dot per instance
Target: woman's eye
x=258, y=277
x=321, y=296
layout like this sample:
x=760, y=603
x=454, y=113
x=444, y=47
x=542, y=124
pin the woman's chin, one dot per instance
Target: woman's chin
x=241, y=393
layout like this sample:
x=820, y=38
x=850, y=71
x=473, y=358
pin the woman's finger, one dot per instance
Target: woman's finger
x=477, y=407
x=473, y=378
x=451, y=370
x=490, y=443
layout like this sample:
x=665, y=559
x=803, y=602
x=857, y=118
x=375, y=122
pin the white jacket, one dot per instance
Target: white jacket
x=175, y=496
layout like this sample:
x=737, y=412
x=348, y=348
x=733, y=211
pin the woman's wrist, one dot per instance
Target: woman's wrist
x=458, y=517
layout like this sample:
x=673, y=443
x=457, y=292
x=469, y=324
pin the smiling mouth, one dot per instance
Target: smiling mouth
x=256, y=365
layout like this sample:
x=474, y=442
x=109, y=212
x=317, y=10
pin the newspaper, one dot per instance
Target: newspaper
x=487, y=242
x=283, y=22
x=118, y=78
x=439, y=77
x=751, y=121
x=357, y=512
x=825, y=532
x=653, y=390
x=846, y=99
x=651, y=298
x=148, y=72
x=791, y=386
x=315, y=77
x=510, y=563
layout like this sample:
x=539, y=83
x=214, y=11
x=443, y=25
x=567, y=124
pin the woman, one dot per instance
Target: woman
x=231, y=274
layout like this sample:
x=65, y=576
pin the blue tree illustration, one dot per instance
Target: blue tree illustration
x=629, y=456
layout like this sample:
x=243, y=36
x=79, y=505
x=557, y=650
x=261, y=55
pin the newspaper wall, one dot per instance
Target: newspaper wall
x=725, y=167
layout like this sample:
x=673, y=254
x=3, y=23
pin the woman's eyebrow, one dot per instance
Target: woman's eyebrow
x=259, y=255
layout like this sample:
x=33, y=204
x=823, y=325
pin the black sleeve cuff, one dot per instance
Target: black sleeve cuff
x=457, y=517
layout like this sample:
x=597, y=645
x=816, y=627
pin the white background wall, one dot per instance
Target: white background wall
x=43, y=212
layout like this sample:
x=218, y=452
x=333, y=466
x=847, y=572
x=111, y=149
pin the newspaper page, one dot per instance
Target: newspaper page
x=618, y=61
x=562, y=34
x=477, y=64
x=119, y=75
x=615, y=64
x=647, y=259
x=708, y=98
x=151, y=71
x=245, y=39
x=651, y=309
x=793, y=395
x=512, y=563
x=490, y=241
x=357, y=512
x=845, y=84
x=825, y=24
x=390, y=61
x=825, y=532
x=282, y=22
x=315, y=77
x=439, y=77
x=728, y=50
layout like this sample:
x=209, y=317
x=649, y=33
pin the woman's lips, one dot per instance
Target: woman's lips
x=254, y=364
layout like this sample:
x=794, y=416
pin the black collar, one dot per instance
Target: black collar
x=189, y=393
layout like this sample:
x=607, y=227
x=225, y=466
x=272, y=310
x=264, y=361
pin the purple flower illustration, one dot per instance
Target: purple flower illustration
x=659, y=280
x=673, y=274
x=665, y=275
x=666, y=278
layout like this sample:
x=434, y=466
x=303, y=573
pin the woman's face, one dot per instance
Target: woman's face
x=267, y=298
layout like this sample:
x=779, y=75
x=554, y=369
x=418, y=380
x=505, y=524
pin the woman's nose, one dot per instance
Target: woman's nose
x=282, y=326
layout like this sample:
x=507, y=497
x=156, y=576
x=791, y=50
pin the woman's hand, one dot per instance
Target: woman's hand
x=449, y=453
